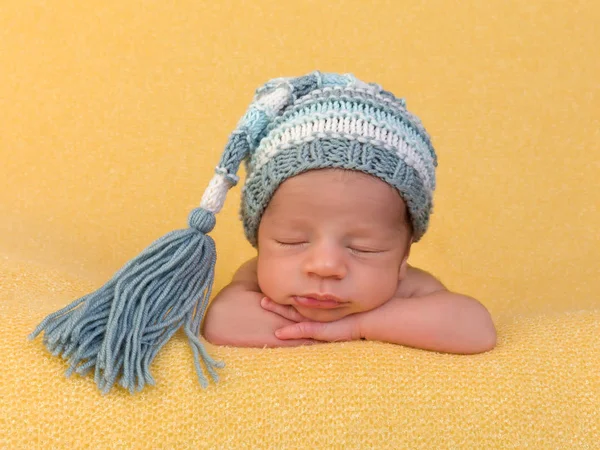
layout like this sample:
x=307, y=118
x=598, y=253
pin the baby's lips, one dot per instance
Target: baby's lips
x=311, y=302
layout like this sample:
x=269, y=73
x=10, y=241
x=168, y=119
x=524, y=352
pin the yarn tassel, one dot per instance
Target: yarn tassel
x=118, y=330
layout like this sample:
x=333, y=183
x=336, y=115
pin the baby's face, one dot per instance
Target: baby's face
x=333, y=243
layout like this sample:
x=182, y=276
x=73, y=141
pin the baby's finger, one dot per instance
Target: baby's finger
x=288, y=312
x=300, y=330
x=340, y=330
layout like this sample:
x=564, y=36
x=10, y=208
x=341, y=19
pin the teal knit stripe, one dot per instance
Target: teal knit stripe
x=254, y=122
x=238, y=147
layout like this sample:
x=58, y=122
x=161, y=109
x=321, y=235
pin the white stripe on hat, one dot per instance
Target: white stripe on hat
x=348, y=128
x=213, y=198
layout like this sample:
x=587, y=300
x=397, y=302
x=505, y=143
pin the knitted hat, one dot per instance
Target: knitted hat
x=325, y=120
x=316, y=121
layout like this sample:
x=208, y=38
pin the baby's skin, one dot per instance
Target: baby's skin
x=332, y=265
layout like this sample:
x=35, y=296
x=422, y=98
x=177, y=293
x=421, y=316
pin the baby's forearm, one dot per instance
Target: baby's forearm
x=442, y=321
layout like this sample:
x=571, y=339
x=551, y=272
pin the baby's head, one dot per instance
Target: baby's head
x=340, y=181
x=341, y=236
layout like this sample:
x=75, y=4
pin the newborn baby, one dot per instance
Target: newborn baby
x=333, y=247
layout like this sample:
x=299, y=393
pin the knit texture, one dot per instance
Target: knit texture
x=538, y=389
x=325, y=120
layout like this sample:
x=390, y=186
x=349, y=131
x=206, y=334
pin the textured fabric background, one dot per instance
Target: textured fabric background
x=114, y=115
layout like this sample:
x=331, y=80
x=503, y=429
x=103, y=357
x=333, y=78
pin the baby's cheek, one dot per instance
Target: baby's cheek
x=271, y=279
x=378, y=289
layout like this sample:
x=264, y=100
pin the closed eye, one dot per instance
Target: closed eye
x=290, y=243
x=365, y=251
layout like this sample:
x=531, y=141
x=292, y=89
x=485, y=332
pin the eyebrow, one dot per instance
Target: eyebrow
x=287, y=221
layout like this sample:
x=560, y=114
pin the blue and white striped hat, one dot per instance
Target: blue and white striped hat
x=316, y=121
x=325, y=120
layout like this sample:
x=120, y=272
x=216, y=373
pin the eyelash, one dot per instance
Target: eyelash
x=289, y=244
x=368, y=252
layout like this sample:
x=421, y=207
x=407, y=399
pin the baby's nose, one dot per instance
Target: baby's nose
x=326, y=261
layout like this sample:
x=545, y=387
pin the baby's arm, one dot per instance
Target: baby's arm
x=442, y=321
x=236, y=318
x=423, y=314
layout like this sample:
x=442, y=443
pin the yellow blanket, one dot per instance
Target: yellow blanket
x=113, y=117
x=539, y=388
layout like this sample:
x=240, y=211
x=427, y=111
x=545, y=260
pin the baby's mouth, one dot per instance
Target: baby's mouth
x=318, y=301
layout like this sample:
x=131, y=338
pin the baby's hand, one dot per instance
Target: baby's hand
x=346, y=329
x=288, y=312
x=235, y=318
